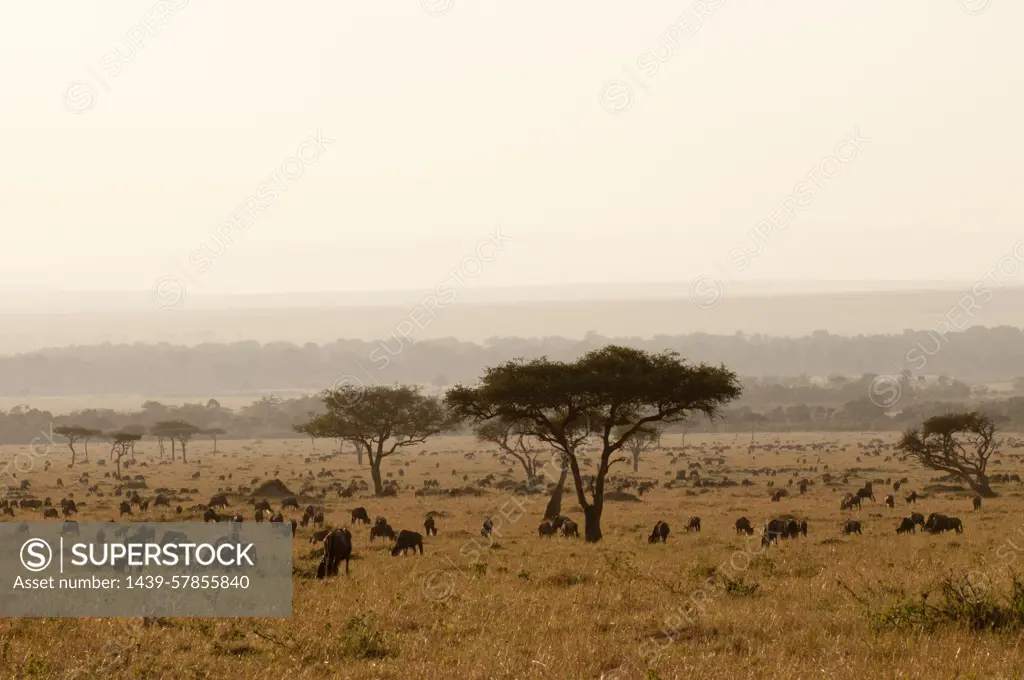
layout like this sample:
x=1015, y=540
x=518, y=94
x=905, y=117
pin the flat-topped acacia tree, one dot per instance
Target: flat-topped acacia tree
x=616, y=391
x=957, y=443
x=381, y=419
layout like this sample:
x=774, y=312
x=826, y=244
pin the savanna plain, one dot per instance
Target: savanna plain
x=707, y=604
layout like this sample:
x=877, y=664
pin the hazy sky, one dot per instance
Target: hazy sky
x=123, y=162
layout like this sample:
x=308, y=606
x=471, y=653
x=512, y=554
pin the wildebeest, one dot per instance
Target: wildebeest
x=50, y=513
x=383, y=531
x=428, y=526
x=360, y=515
x=660, y=532
x=866, y=492
x=258, y=515
x=144, y=506
x=238, y=517
x=126, y=508
x=406, y=540
x=33, y=503
x=849, y=501
x=337, y=547
x=792, y=529
x=977, y=502
x=743, y=526
x=319, y=536
x=219, y=501
x=210, y=515
x=907, y=525
x=803, y=527
x=264, y=506
x=290, y=502
x=693, y=524
x=917, y=518
x=938, y=523
x=912, y=497
x=488, y=526
x=277, y=518
x=546, y=528
x=570, y=528
x=161, y=500
x=8, y=510
x=890, y=501
x=318, y=519
x=851, y=526
x=773, y=529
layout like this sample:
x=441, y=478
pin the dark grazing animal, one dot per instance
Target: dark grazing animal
x=907, y=525
x=917, y=518
x=429, y=527
x=743, y=526
x=546, y=528
x=382, y=531
x=773, y=530
x=890, y=501
x=161, y=500
x=219, y=501
x=290, y=502
x=912, y=498
x=210, y=515
x=277, y=518
x=938, y=523
x=977, y=502
x=803, y=527
x=264, y=506
x=318, y=519
x=126, y=508
x=360, y=515
x=660, y=532
x=851, y=526
x=488, y=526
x=570, y=528
x=33, y=503
x=337, y=547
x=693, y=524
x=50, y=512
x=407, y=540
x=258, y=516
x=792, y=529
x=319, y=536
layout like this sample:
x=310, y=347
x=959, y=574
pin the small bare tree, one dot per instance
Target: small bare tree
x=956, y=443
x=214, y=432
x=639, y=441
x=513, y=440
x=72, y=433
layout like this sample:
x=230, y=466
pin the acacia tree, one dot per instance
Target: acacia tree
x=641, y=440
x=613, y=389
x=214, y=432
x=72, y=433
x=957, y=443
x=178, y=431
x=134, y=429
x=382, y=420
x=89, y=434
x=514, y=440
x=120, y=443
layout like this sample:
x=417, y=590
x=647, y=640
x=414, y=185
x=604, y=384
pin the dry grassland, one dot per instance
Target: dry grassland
x=825, y=606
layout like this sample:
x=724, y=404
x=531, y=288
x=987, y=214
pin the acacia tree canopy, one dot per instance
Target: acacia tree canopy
x=381, y=418
x=956, y=443
x=609, y=394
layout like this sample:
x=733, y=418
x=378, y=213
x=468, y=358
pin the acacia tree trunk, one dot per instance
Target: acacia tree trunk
x=160, y=443
x=981, y=486
x=86, y=453
x=72, y=447
x=554, y=508
x=378, y=484
x=359, y=456
x=184, y=459
x=636, y=461
x=592, y=522
x=172, y=449
x=215, y=444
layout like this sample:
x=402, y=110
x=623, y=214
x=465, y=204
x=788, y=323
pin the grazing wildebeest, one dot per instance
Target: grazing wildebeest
x=277, y=518
x=290, y=502
x=890, y=501
x=977, y=502
x=319, y=536
x=570, y=528
x=912, y=498
x=178, y=510
x=485, y=531
x=144, y=506
x=161, y=500
x=938, y=523
x=693, y=524
x=337, y=547
x=210, y=515
x=238, y=517
x=546, y=528
x=318, y=519
x=777, y=496
x=849, y=501
x=866, y=492
x=660, y=532
x=907, y=525
x=382, y=530
x=126, y=508
x=558, y=521
x=258, y=516
x=219, y=501
x=33, y=503
x=264, y=506
x=406, y=540
x=8, y=510
x=50, y=512
x=896, y=485
x=792, y=529
x=743, y=526
x=428, y=526
x=803, y=527
x=773, y=529
x=70, y=527
x=851, y=526
x=917, y=518
x=360, y=515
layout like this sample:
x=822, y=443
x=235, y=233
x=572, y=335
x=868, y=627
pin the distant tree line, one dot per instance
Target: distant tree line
x=974, y=356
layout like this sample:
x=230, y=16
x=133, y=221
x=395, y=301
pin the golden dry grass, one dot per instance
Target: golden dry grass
x=559, y=608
